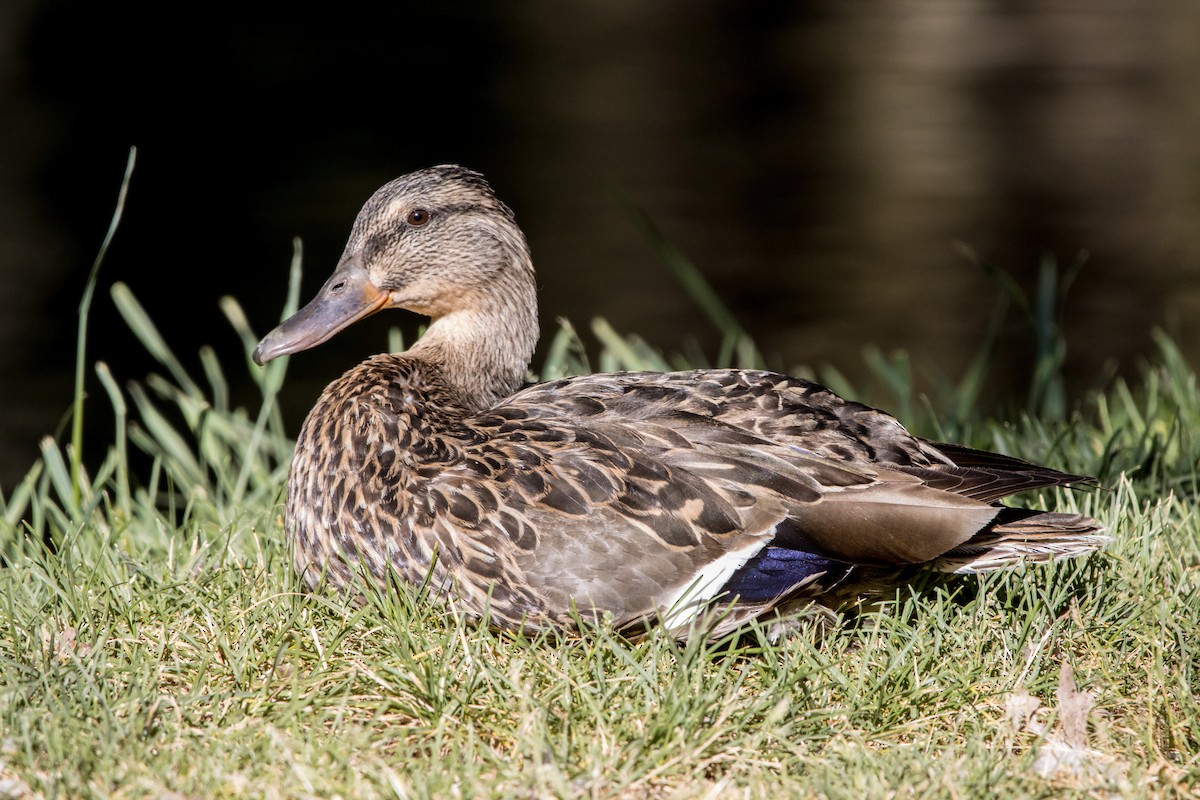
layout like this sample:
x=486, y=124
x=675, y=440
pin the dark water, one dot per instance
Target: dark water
x=824, y=164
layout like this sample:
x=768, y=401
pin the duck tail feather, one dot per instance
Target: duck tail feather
x=1022, y=535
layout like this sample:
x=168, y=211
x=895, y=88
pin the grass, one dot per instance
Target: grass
x=154, y=642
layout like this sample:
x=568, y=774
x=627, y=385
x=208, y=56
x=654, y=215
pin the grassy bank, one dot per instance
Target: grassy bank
x=154, y=642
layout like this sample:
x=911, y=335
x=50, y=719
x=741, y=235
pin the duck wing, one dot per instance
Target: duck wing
x=854, y=486
x=637, y=493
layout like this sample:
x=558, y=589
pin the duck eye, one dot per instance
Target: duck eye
x=417, y=217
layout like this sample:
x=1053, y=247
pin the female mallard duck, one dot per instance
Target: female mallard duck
x=652, y=498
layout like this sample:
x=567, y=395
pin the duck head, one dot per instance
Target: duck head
x=437, y=242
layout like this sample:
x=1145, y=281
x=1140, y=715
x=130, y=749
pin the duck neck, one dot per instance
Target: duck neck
x=483, y=349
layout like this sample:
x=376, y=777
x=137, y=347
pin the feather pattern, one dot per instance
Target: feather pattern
x=646, y=498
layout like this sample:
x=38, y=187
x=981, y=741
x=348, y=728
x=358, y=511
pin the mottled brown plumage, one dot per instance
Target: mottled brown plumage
x=649, y=498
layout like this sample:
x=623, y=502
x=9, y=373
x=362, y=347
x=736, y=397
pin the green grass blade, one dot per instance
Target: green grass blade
x=147, y=332
x=689, y=276
x=162, y=439
x=216, y=379
x=85, y=304
x=120, y=413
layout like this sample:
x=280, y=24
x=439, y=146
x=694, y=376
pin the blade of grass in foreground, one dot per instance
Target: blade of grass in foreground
x=85, y=304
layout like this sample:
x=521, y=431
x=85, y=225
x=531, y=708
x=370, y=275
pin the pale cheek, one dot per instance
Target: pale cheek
x=433, y=304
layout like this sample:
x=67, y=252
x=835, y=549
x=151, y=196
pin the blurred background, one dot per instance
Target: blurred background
x=835, y=169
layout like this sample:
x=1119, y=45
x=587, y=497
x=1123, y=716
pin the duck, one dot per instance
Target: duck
x=695, y=502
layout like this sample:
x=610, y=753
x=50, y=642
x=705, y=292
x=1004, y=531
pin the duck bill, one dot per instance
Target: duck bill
x=346, y=297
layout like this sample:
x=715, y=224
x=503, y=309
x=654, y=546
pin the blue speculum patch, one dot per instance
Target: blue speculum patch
x=777, y=569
